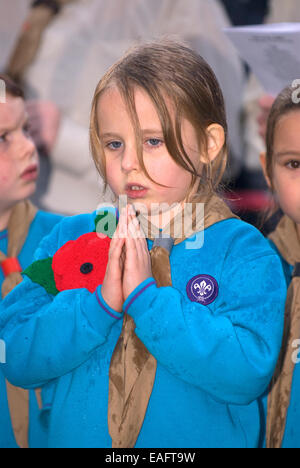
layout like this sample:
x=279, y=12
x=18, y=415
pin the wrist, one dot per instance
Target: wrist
x=135, y=285
x=110, y=311
x=112, y=302
x=137, y=296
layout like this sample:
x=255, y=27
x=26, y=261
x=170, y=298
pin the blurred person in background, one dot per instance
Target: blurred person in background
x=257, y=103
x=82, y=39
x=249, y=195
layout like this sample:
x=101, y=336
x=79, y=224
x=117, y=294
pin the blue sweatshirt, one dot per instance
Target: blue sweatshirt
x=40, y=227
x=215, y=358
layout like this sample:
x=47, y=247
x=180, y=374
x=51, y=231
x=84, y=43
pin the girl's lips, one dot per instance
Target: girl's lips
x=135, y=193
x=31, y=173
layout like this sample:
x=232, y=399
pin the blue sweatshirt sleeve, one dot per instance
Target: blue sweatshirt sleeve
x=229, y=351
x=45, y=336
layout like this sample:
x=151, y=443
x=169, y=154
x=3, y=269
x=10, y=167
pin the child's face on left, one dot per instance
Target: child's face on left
x=124, y=174
x=18, y=156
x=286, y=164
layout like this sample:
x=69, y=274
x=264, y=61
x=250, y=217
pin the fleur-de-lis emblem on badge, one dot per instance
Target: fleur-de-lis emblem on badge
x=203, y=289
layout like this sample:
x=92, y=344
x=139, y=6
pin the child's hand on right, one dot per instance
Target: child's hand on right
x=112, y=289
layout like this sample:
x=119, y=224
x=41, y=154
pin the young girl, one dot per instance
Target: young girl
x=177, y=342
x=281, y=165
x=21, y=230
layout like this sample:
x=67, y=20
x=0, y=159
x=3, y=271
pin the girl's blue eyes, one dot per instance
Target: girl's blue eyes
x=154, y=141
x=114, y=145
x=151, y=142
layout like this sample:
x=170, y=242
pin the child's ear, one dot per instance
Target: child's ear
x=263, y=162
x=215, y=140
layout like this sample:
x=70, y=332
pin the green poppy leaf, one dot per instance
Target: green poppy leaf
x=41, y=272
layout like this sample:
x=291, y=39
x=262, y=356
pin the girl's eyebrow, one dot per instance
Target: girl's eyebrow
x=156, y=131
x=281, y=154
x=146, y=131
x=109, y=134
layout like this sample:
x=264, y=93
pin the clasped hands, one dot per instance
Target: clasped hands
x=129, y=262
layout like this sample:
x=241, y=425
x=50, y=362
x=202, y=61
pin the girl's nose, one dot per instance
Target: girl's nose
x=26, y=146
x=130, y=161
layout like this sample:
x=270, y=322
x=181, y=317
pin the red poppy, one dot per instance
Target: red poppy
x=81, y=263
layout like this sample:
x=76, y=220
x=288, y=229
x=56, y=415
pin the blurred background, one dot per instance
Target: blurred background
x=59, y=49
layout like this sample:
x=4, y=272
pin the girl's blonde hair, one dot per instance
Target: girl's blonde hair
x=168, y=70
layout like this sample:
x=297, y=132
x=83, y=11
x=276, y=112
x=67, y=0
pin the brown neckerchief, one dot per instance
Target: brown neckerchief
x=18, y=399
x=132, y=368
x=30, y=38
x=287, y=241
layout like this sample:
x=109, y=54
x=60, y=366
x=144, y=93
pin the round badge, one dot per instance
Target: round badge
x=203, y=289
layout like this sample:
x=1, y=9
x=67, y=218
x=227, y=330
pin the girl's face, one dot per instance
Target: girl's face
x=123, y=171
x=18, y=155
x=286, y=164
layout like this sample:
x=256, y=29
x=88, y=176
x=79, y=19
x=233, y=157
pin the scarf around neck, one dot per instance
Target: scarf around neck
x=132, y=368
x=18, y=399
x=286, y=239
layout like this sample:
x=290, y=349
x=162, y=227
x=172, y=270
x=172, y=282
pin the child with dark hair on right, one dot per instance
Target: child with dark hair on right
x=281, y=166
x=164, y=331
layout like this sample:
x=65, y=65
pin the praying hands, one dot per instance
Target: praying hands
x=129, y=262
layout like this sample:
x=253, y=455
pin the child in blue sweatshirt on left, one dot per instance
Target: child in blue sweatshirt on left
x=22, y=228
